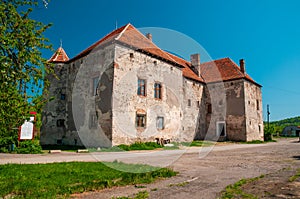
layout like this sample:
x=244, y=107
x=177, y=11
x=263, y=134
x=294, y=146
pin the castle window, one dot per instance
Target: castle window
x=160, y=123
x=157, y=91
x=140, y=120
x=257, y=104
x=141, y=87
x=60, y=123
x=62, y=96
x=59, y=141
x=198, y=104
x=95, y=83
x=131, y=55
x=93, y=121
x=189, y=102
x=220, y=102
x=209, y=108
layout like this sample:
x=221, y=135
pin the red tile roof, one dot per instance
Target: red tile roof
x=59, y=56
x=222, y=70
x=219, y=70
x=130, y=36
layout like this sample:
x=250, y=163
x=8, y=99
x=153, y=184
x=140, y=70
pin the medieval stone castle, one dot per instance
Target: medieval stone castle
x=124, y=89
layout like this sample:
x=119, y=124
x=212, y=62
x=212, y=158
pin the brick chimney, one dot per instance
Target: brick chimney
x=195, y=61
x=242, y=66
x=149, y=36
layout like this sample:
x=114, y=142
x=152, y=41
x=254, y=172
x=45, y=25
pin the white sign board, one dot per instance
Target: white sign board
x=27, y=130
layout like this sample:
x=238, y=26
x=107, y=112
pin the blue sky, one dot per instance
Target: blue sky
x=265, y=33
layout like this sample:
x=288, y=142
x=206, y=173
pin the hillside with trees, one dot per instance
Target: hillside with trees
x=276, y=127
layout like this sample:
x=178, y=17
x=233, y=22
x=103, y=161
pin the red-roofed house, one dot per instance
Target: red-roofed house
x=124, y=88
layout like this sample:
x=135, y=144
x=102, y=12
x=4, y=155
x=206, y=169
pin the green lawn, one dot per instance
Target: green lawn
x=59, y=180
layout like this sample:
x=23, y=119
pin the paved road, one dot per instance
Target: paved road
x=206, y=173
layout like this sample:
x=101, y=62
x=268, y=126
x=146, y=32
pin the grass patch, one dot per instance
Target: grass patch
x=140, y=146
x=152, y=146
x=295, y=177
x=198, y=143
x=59, y=180
x=235, y=190
x=132, y=147
x=139, y=195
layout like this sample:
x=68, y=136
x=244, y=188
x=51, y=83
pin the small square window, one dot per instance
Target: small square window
x=60, y=123
x=62, y=96
x=59, y=142
x=141, y=87
x=141, y=120
x=160, y=123
x=131, y=55
x=189, y=102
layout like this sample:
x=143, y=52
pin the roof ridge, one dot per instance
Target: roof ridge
x=91, y=47
x=121, y=33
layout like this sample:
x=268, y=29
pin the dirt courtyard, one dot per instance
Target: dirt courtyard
x=207, y=177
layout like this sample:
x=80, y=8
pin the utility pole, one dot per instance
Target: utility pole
x=268, y=113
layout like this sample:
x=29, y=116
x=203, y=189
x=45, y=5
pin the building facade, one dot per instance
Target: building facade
x=124, y=89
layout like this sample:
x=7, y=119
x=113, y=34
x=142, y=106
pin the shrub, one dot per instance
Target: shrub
x=140, y=146
x=29, y=146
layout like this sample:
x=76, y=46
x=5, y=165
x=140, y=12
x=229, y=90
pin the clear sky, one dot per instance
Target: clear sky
x=266, y=33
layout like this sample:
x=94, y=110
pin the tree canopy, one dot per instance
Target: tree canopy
x=22, y=67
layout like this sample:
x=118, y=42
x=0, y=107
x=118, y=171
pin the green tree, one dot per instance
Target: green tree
x=22, y=69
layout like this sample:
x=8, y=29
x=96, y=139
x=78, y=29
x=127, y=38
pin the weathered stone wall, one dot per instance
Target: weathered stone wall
x=235, y=110
x=55, y=109
x=243, y=108
x=87, y=117
x=193, y=122
x=89, y=109
x=215, y=106
x=253, y=114
x=130, y=66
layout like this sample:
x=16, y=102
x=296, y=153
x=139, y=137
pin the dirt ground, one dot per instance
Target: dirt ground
x=207, y=177
x=275, y=185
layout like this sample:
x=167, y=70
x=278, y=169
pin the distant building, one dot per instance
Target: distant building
x=291, y=131
x=132, y=90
